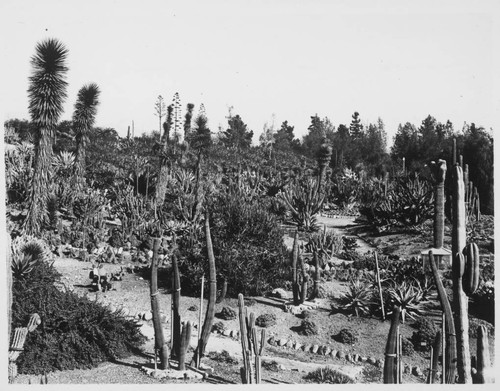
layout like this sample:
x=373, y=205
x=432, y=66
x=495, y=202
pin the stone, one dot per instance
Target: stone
x=282, y=342
x=340, y=354
x=297, y=345
x=271, y=341
x=416, y=371
x=226, y=333
x=362, y=359
x=148, y=315
x=371, y=360
x=348, y=357
x=289, y=344
x=326, y=351
x=333, y=353
x=279, y=293
x=315, y=349
x=307, y=348
x=355, y=357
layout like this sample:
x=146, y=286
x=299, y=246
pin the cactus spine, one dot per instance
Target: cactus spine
x=250, y=345
x=391, y=362
x=176, y=317
x=450, y=353
x=160, y=344
x=184, y=344
x=212, y=294
x=483, y=356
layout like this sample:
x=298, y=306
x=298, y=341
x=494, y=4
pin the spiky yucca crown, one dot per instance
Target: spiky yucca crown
x=47, y=89
x=86, y=107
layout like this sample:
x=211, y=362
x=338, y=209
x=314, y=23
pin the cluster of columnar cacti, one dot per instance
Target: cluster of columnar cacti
x=250, y=344
x=184, y=339
x=299, y=282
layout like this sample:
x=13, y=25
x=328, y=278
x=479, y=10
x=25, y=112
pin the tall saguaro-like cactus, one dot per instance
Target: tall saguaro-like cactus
x=160, y=344
x=176, y=293
x=299, y=287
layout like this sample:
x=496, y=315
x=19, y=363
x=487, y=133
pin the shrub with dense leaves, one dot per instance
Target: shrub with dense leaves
x=218, y=327
x=407, y=297
x=75, y=332
x=424, y=337
x=327, y=375
x=347, y=336
x=407, y=347
x=308, y=327
x=357, y=300
x=223, y=357
x=271, y=366
x=266, y=320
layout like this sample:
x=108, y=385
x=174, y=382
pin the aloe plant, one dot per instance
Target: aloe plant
x=358, y=299
x=407, y=298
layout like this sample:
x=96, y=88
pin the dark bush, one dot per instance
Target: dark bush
x=347, y=336
x=219, y=327
x=223, y=357
x=424, y=337
x=408, y=348
x=271, y=366
x=266, y=320
x=308, y=327
x=484, y=302
x=75, y=332
x=227, y=314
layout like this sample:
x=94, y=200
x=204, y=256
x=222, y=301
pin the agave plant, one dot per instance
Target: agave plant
x=22, y=265
x=26, y=252
x=358, y=299
x=408, y=297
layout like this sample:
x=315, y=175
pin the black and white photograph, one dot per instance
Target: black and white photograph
x=230, y=192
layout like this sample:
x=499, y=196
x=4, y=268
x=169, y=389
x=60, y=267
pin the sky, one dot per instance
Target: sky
x=268, y=60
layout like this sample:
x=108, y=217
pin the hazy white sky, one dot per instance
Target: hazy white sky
x=397, y=60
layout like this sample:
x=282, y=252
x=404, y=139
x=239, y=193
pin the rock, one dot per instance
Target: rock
x=271, y=341
x=416, y=371
x=279, y=293
x=282, y=342
x=289, y=344
x=282, y=367
x=355, y=357
x=326, y=351
x=297, y=345
x=226, y=333
x=348, y=357
x=362, y=359
x=307, y=348
x=371, y=360
x=148, y=315
x=333, y=353
x=340, y=354
x=234, y=333
x=315, y=349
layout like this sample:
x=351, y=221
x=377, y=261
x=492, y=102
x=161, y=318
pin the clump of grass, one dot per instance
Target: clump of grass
x=327, y=375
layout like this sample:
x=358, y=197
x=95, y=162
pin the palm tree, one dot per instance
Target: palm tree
x=46, y=93
x=83, y=120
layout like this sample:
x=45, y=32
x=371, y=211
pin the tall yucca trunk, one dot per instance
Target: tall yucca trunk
x=46, y=92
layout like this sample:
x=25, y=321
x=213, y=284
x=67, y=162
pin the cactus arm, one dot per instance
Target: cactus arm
x=450, y=354
x=471, y=275
x=176, y=293
x=483, y=355
x=244, y=340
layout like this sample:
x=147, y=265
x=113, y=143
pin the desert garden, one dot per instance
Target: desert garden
x=183, y=257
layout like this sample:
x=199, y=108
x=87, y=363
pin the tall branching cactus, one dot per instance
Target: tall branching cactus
x=450, y=354
x=212, y=293
x=250, y=344
x=390, y=363
x=160, y=344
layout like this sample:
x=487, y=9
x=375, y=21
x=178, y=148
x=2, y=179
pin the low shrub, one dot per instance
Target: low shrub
x=271, y=366
x=219, y=327
x=327, y=375
x=347, y=336
x=308, y=327
x=223, y=357
x=407, y=347
x=226, y=314
x=266, y=320
x=424, y=337
x=75, y=332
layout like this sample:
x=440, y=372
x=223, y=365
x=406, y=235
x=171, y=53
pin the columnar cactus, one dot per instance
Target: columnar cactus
x=212, y=293
x=436, y=349
x=390, y=363
x=176, y=293
x=324, y=157
x=439, y=172
x=299, y=287
x=460, y=299
x=160, y=344
x=450, y=353
x=483, y=356
x=184, y=344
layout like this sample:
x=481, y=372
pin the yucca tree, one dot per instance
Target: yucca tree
x=46, y=92
x=83, y=120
